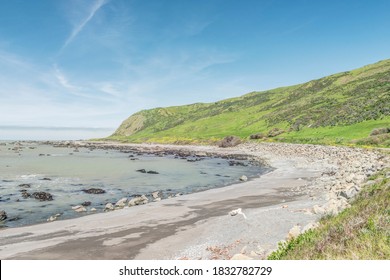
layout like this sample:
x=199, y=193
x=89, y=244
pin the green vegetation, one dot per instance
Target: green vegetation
x=359, y=232
x=339, y=109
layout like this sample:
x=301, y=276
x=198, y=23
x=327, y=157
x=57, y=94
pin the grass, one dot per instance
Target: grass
x=359, y=232
x=338, y=109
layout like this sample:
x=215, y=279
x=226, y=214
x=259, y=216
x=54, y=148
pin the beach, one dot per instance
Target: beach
x=306, y=182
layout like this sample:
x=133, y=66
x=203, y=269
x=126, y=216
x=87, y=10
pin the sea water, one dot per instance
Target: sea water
x=65, y=172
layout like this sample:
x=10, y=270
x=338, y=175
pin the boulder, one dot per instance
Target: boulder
x=26, y=186
x=152, y=172
x=229, y=141
x=275, y=132
x=141, y=170
x=121, y=202
x=25, y=194
x=109, y=207
x=42, y=196
x=257, y=136
x=94, y=191
x=3, y=215
x=243, y=178
x=86, y=203
x=92, y=210
x=156, y=194
x=138, y=200
x=309, y=226
x=53, y=218
x=79, y=208
x=294, y=232
x=349, y=193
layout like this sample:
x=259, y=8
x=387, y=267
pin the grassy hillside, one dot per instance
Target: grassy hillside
x=342, y=108
x=359, y=232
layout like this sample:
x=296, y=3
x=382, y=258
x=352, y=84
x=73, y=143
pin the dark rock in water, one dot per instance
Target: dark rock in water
x=141, y=170
x=25, y=185
x=7, y=181
x=42, y=196
x=14, y=219
x=134, y=159
x=41, y=155
x=3, y=215
x=94, y=191
x=86, y=203
x=25, y=194
x=152, y=172
x=45, y=179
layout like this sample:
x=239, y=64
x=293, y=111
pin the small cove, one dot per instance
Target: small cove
x=65, y=171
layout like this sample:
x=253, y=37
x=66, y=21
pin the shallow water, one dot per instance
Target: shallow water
x=65, y=172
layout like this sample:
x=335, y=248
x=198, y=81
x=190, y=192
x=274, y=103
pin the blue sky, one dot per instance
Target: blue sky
x=92, y=63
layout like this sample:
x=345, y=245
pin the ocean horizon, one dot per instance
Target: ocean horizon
x=38, y=133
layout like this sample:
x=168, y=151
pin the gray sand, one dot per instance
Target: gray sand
x=198, y=226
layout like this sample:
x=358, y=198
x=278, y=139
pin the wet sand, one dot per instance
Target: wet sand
x=191, y=226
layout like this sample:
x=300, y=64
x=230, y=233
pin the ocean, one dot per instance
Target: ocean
x=65, y=172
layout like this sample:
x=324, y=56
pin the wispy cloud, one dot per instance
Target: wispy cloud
x=80, y=26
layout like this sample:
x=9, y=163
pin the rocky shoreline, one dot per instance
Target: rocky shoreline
x=308, y=181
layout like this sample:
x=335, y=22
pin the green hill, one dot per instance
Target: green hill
x=342, y=108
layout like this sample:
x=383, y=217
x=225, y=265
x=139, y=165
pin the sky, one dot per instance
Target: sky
x=93, y=63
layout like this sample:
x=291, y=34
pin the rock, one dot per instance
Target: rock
x=156, y=194
x=109, y=207
x=241, y=257
x=294, y=232
x=275, y=132
x=94, y=191
x=243, y=178
x=86, y=203
x=53, y=218
x=178, y=194
x=25, y=186
x=152, y=172
x=45, y=179
x=42, y=196
x=25, y=194
x=258, y=136
x=229, y=141
x=3, y=215
x=349, y=193
x=79, y=208
x=92, y=210
x=138, y=200
x=309, y=226
x=121, y=202
x=318, y=210
x=141, y=170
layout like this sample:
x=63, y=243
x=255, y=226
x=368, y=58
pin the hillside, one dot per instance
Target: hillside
x=342, y=108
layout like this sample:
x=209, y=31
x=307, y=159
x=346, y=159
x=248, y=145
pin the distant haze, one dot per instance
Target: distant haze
x=52, y=133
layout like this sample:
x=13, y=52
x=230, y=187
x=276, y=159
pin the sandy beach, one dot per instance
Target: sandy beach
x=307, y=182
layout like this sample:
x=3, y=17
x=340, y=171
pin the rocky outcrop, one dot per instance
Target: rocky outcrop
x=3, y=215
x=94, y=191
x=121, y=203
x=42, y=196
x=109, y=207
x=79, y=208
x=229, y=141
x=138, y=200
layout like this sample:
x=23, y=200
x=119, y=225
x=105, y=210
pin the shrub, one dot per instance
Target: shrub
x=382, y=130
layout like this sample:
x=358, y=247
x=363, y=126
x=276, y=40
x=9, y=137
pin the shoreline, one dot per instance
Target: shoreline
x=308, y=181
